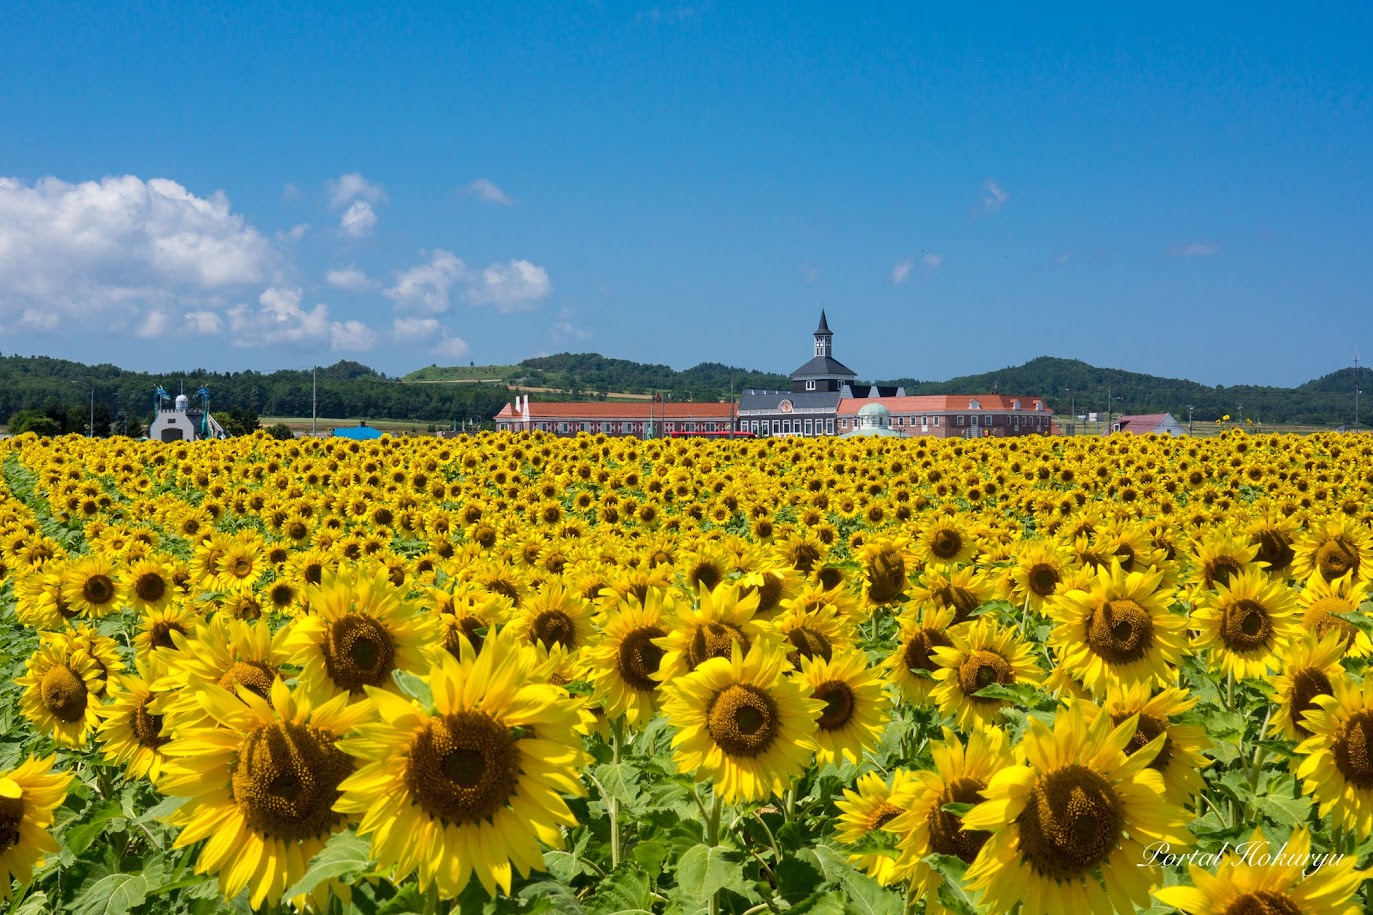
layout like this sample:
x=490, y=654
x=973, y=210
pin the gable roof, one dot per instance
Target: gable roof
x=946, y=403
x=824, y=367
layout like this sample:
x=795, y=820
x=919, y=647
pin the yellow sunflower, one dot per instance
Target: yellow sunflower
x=874, y=805
x=29, y=793
x=1309, y=668
x=1038, y=573
x=885, y=566
x=1333, y=548
x=1180, y=759
x=944, y=542
x=1321, y=599
x=981, y=654
x=624, y=661
x=132, y=734
x=360, y=628
x=817, y=633
x=962, y=590
x=1121, y=632
x=150, y=586
x=1219, y=556
x=91, y=586
x=474, y=785
x=721, y=618
x=222, y=652
x=911, y=666
x=263, y=782
x=856, y=709
x=1070, y=827
x=62, y=687
x=960, y=775
x=1261, y=877
x=1246, y=624
x=741, y=723
x=1336, y=766
x=554, y=616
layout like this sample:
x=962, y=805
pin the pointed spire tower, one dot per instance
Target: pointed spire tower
x=823, y=372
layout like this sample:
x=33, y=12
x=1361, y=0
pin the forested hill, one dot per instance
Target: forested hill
x=347, y=390
x=1065, y=383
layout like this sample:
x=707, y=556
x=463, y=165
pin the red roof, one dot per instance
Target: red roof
x=944, y=403
x=606, y=410
x=1140, y=423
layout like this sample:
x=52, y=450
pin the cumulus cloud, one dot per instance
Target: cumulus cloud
x=204, y=322
x=428, y=331
x=993, y=197
x=349, y=278
x=295, y=233
x=280, y=319
x=515, y=286
x=116, y=248
x=358, y=220
x=426, y=288
x=1194, y=249
x=486, y=191
x=154, y=324
x=901, y=270
x=344, y=189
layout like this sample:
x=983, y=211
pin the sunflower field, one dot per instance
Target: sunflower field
x=516, y=674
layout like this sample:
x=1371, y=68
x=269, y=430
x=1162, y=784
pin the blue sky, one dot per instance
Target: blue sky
x=1175, y=190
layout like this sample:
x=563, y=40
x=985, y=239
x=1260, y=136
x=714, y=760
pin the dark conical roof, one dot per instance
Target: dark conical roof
x=824, y=327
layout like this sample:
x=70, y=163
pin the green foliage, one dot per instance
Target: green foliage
x=280, y=432
x=35, y=422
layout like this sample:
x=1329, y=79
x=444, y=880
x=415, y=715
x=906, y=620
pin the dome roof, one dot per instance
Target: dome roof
x=873, y=409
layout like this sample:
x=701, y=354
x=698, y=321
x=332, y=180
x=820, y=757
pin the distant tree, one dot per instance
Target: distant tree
x=34, y=421
x=280, y=431
x=237, y=421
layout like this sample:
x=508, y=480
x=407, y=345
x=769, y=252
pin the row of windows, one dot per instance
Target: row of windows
x=788, y=426
x=630, y=428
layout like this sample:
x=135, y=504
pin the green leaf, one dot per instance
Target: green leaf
x=1290, y=811
x=958, y=810
x=618, y=781
x=1361, y=620
x=627, y=891
x=79, y=837
x=414, y=687
x=705, y=869
x=114, y=894
x=36, y=904
x=345, y=854
x=797, y=879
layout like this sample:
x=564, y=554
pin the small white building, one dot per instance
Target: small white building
x=178, y=421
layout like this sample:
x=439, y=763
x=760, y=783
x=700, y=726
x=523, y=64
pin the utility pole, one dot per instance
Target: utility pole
x=314, y=398
x=1190, y=408
x=90, y=430
x=1356, y=389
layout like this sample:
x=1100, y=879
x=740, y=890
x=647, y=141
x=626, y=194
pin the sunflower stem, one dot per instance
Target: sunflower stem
x=612, y=805
x=713, y=839
x=431, y=899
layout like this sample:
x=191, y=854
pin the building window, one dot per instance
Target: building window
x=974, y=405
x=959, y=421
x=936, y=421
x=776, y=426
x=829, y=427
x=1015, y=405
x=810, y=386
x=808, y=427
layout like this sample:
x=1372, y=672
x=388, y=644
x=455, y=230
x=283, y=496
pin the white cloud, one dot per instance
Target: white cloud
x=108, y=251
x=295, y=233
x=359, y=219
x=564, y=330
x=993, y=197
x=486, y=191
x=425, y=289
x=351, y=335
x=516, y=286
x=290, y=192
x=154, y=324
x=428, y=330
x=933, y=261
x=900, y=271
x=1194, y=249
x=204, y=322
x=350, y=278
x=352, y=186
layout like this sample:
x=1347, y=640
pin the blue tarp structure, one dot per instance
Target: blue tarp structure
x=358, y=432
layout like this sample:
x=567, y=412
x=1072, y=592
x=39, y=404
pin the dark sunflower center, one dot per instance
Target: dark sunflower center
x=554, y=627
x=743, y=720
x=160, y=634
x=1307, y=684
x=1275, y=549
x=1353, y=749
x=1150, y=726
x=358, y=652
x=959, y=599
x=947, y=835
x=886, y=577
x=883, y=815
x=242, y=567
x=1120, y=631
x=807, y=643
x=98, y=590
x=313, y=572
x=804, y=556
x=713, y=640
x=638, y=659
x=1246, y=626
x=462, y=768
x=983, y=668
x=150, y=587
x=281, y=594
x=830, y=578
x=1335, y=558
x=1220, y=570
x=11, y=818
x=1043, y=579
x=705, y=575
x=1320, y=618
x=64, y=694
x=1262, y=902
x=296, y=530
x=286, y=781
x=946, y=544
x=840, y=704
x=1071, y=823
x=253, y=676
x=921, y=646
x=769, y=592
x=505, y=589
x=146, y=726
